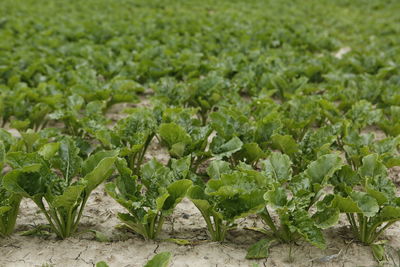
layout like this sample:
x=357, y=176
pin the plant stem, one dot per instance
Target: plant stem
x=268, y=220
x=353, y=224
x=75, y=224
x=377, y=234
x=364, y=229
x=53, y=227
x=69, y=224
x=151, y=233
x=159, y=225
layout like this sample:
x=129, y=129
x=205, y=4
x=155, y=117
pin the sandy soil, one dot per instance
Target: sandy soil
x=127, y=249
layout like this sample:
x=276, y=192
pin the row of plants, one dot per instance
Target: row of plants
x=225, y=174
x=195, y=61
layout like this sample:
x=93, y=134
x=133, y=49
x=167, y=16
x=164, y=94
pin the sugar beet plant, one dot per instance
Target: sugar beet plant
x=153, y=197
x=58, y=181
x=228, y=196
x=133, y=136
x=292, y=197
x=368, y=198
x=9, y=202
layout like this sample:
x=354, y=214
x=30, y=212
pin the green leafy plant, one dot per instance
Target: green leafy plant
x=292, y=197
x=9, y=207
x=153, y=197
x=9, y=202
x=368, y=198
x=227, y=196
x=58, y=181
x=133, y=136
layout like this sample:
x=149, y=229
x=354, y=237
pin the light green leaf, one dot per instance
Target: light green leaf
x=68, y=161
x=284, y=143
x=2, y=155
x=278, y=167
x=357, y=202
x=389, y=213
x=69, y=199
x=323, y=168
x=372, y=166
x=101, y=172
x=218, y=167
x=259, y=250
x=47, y=151
x=90, y=163
x=378, y=251
x=101, y=264
x=228, y=148
x=172, y=133
x=177, y=191
x=276, y=197
x=160, y=260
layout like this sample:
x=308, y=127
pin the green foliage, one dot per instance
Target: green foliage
x=229, y=195
x=151, y=199
x=9, y=207
x=293, y=196
x=59, y=183
x=160, y=260
x=368, y=198
x=133, y=136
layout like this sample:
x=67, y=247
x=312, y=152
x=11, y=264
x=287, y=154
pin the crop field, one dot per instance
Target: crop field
x=200, y=133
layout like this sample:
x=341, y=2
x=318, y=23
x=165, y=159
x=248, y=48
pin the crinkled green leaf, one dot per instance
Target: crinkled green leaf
x=284, y=143
x=278, y=167
x=226, y=149
x=372, y=166
x=259, y=250
x=217, y=168
x=47, y=151
x=323, y=168
x=327, y=217
x=307, y=228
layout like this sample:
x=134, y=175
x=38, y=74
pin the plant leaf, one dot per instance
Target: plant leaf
x=160, y=260
x=259, y=250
